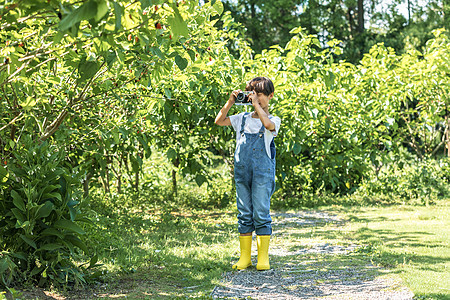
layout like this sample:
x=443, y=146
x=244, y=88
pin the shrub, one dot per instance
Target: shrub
x=412, y=181
x=39, y=212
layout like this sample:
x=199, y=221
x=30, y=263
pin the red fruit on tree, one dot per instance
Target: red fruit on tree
x=130, y=37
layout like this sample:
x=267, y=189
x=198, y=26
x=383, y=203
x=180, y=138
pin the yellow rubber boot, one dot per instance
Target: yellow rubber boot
x=246, y=253
x=263, y=252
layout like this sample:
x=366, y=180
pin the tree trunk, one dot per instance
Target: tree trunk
x=409, y=12
x=136, y=181
x=447, y=136
x=446, y=11
x=176, y=163
x=360, y=16
x=86, y=185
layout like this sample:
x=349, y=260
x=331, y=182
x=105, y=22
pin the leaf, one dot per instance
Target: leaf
x=50, y=247
x=77, y=242
x=4, y=175
x=218, y=6
x=87, y=69
x=45, y=210
x=52, y=196
x=93, y=260
x=85, y=12
x=28, y=241
x=177, y=24
x=102, y=9
x=181, y=62
x=17, y=200
x=18, y=214
x=156, y=51
x=297, y=148
x=52, y=232
x=118, y=16
x=69, y=225
x=171, y=154
x=200, y=179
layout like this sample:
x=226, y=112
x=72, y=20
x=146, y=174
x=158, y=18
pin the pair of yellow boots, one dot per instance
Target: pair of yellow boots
x=262, y=242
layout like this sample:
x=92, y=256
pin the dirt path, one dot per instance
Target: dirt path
x=310, y=259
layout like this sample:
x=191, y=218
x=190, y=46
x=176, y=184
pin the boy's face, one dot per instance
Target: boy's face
x=264, y=99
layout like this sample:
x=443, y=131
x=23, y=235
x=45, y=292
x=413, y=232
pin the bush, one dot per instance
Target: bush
x=39, y=212
x=413, y=181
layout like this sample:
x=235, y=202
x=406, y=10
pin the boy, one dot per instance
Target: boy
x=254, y=169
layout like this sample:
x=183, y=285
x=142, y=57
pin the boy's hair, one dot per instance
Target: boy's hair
x=260, y=85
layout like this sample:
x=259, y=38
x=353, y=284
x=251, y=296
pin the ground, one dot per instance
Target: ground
x=305, y=268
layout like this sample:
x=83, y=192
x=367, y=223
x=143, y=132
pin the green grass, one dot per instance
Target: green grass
x=411, y=240
x=167, y=252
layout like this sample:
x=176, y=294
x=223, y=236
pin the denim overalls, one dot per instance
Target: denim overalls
x=254, y=174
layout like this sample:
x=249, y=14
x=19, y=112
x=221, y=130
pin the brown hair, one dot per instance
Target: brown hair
x=260, y=85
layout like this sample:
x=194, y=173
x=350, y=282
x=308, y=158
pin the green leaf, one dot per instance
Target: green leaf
x=36, y=270
x=171, y=154
x=87, y=69
x=93, y=261
x=297, y=148
x=146, y=3
x=52, y=196
x=156, y=51
x=52, y=232
x=118, y=15
x=177, y=24
x=45, y=210
x=4, y=175
x=77, y=242
x=69, y=225
x=17, y=200
x=50, y=247
x=200, y=179
x=181, y=62
x=218, y=6
x=102, y=9
x=28, y=241
x=18, y=214
x=85, y=12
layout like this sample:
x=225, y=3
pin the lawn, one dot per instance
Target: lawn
x=151, y=252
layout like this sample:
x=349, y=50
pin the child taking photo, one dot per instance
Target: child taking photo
x=254, y=168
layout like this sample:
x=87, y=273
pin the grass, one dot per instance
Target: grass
x=412, y=240
x=167, y=252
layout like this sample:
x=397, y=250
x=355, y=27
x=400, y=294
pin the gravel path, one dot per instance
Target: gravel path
x=318, y=270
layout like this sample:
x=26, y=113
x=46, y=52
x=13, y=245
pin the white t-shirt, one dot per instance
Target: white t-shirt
x=253, y=125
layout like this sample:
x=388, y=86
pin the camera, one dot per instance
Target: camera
x=243, y=99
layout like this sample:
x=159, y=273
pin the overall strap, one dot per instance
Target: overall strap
x=262, y=130
x=243, y=122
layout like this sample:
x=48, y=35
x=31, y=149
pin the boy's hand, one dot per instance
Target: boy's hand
x=254, y=99
x=233, y=96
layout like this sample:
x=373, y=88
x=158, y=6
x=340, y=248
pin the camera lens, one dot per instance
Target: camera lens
x=240, y=97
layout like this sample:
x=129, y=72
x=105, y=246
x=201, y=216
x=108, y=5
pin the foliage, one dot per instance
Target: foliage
x=413, y=181
x=268, y=23
x=39, y=215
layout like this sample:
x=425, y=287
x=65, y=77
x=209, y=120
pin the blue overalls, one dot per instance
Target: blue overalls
x=254, y=175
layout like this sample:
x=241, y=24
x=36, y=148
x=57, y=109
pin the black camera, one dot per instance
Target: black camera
x=243, y=99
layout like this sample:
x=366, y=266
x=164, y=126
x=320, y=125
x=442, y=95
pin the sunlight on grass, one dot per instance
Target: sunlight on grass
x=412, y=240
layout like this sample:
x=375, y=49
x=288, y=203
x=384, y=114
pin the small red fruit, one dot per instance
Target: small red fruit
x=136, y=39
x=156, y=7
x=130, y=37
x=158, y=25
